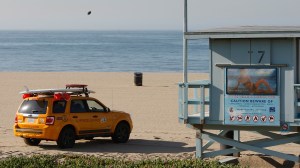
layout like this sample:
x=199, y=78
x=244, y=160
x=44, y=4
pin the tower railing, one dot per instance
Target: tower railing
x=192, y=100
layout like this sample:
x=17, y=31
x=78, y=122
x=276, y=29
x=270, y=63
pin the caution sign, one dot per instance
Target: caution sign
x=251, y=96
x=255, y=118
x=271, y=118
x=232, y=118
x=285, y=127
x=252, y=110
x=240, y=118
x=247, y=118
x=263, y=118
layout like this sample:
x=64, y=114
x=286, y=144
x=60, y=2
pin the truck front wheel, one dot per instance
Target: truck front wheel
x=122, y=133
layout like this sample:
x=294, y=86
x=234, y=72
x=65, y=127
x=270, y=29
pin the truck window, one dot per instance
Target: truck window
x=33, y=107
x=59, y=106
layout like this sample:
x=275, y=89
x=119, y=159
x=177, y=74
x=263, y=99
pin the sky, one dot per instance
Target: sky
x=144, y=14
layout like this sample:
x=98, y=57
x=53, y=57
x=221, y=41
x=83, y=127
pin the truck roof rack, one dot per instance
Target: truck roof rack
x=71, y=89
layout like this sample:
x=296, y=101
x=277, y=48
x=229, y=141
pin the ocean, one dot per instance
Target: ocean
x=99, y=51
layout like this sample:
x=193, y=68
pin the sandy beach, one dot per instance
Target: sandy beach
x=153, y=108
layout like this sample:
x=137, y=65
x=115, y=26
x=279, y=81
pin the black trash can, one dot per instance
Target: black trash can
x=138, y=79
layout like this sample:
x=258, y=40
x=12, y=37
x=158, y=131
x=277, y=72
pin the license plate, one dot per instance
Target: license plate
x=30, y=120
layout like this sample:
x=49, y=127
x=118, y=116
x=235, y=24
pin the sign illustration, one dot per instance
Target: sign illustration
x=271, y=118
x=255, y=118
x=251, y=81
x=263, y=118
x=247, y=118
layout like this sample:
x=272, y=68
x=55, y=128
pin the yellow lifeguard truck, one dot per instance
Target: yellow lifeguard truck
x=64, y=115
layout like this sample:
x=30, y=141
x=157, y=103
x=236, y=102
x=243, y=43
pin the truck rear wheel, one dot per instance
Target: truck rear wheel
x=32, y=141
x=66, y=138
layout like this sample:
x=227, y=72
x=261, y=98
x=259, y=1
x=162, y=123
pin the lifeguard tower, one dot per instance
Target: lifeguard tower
x=254, y=85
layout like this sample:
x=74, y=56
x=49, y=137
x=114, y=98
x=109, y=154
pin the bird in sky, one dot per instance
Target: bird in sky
x=89, y=12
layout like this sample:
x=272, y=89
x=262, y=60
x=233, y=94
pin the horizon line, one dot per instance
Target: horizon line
x=90, y=30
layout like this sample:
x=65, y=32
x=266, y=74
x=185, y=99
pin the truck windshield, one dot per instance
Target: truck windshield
x=34, y=107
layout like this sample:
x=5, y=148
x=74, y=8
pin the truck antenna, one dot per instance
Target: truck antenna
x=26, y=88
x=112, y=98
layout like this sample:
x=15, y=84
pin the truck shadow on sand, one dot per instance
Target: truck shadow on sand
x=132, y=146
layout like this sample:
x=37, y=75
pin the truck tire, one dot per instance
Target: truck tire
x=66, y=138
x=32, y=141
x=121, y=133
